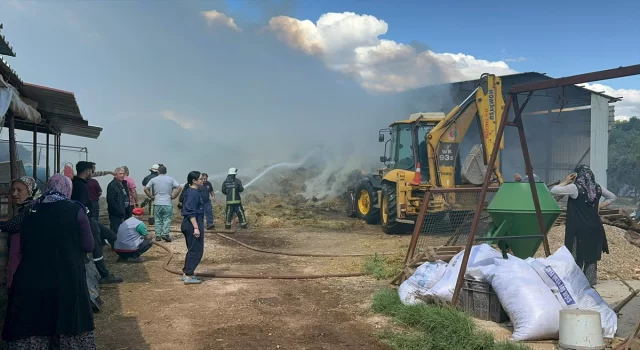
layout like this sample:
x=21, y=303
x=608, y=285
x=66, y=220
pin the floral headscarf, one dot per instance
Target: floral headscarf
x=586, y=184
x=29, y=182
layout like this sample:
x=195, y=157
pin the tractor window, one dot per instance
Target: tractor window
x=404, y=152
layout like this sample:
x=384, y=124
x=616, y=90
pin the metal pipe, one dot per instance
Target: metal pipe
x=577, y=79
x=461, y=189
x=58, y=152
x=501, y=238
x=48, y=173
x=12, y=145
x=483, y=195
x=34, y=152
x=529, y=169
x=418, y=227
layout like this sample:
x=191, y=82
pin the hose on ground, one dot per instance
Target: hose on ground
x=226, y=274
x=224, y=235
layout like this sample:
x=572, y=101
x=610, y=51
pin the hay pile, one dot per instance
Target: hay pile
x=623, y=258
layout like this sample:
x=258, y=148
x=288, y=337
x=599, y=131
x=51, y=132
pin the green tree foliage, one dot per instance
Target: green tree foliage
x=624, y=155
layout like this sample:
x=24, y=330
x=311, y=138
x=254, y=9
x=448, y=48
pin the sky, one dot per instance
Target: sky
x=209, y=85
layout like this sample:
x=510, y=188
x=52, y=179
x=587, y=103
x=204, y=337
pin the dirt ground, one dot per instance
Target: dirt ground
x=153, y=309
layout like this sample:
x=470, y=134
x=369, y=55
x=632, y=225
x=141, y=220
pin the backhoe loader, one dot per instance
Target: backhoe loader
x=422, y=153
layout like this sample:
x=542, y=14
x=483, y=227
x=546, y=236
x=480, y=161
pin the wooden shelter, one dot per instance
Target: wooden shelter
x=40, y=110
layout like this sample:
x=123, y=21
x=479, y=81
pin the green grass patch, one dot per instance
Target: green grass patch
x=382, y=267
x=432, y=327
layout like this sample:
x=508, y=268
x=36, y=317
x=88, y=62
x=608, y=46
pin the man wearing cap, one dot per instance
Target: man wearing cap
x=162, y=189
x=133, y=239
x=153, y=172
x=231, y=187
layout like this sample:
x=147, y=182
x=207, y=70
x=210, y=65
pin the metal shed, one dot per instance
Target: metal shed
x=564, y=126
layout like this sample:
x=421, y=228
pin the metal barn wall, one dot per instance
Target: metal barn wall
x=557, y=141
x=599, y=156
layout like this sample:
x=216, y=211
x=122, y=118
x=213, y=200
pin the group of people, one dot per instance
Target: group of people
x=53, y=233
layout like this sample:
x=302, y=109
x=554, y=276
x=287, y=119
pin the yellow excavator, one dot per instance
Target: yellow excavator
x=422, y=153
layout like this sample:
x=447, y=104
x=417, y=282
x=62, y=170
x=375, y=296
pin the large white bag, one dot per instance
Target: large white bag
x=421, y=281
x=571, y=287
x=532, y=308
x=481, y=255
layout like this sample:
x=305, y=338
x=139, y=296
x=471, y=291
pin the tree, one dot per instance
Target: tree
x=624, y=155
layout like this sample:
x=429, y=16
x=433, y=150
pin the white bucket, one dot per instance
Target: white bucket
x=580, y=330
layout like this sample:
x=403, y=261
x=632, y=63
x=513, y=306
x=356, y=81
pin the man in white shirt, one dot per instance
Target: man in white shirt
x=165, y=189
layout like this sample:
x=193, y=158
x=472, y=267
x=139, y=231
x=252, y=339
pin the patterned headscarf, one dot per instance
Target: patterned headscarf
x=586, y=184
x=29, y=182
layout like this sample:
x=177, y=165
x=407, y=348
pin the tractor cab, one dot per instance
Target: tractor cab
x=404, y=136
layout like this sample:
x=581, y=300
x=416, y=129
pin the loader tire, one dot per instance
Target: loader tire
x=366, y=198
x=389, y=208
x=351, y=203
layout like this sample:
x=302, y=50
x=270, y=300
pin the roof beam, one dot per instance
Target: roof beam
x=577, y=79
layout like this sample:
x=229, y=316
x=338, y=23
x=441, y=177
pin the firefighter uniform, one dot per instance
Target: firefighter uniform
x=231, y=188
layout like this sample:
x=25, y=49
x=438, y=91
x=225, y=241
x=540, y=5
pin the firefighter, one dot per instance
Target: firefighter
x=231, y=187
x=153, y=172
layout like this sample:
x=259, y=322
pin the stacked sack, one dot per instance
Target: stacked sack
x=531, y=291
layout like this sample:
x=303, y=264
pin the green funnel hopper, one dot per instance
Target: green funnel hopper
x=513, y=214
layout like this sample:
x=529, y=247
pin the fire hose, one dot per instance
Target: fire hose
x=227, y=274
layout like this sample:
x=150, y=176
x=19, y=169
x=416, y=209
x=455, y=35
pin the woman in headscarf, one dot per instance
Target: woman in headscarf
x=23, y=189
x=584, y=231
x=49, y=303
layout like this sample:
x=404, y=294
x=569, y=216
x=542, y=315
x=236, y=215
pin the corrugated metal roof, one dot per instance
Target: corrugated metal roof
x=535, y=76
x=10, y=75
x=60, y=108
x=546, y=77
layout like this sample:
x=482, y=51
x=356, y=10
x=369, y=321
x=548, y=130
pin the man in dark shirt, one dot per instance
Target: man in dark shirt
x=206, y=192
x=117, y=198
x=95, y=191
x=80, y=193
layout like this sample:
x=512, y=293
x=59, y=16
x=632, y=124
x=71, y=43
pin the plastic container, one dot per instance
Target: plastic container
x=513, y=214
x=580, y=330
x=480, y=301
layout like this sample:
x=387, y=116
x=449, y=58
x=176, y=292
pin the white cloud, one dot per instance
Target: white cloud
x=630, y=104
x=350, y=43
x=214, y=17
x=184, y=122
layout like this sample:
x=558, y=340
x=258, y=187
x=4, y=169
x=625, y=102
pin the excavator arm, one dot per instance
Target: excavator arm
x=443, y=141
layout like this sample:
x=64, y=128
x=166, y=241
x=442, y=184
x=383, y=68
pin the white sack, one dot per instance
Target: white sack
x=532, y=308
x=571, y=287
x=426, y=275
x=481, y=255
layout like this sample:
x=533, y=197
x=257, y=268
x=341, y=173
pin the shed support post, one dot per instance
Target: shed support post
x=12, y=153
x=58, y=153
x=34, y=152
x=48, y=172
x=598, y=157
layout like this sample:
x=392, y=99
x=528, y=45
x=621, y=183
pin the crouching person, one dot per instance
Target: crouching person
x=133, y=239
x=231, y=187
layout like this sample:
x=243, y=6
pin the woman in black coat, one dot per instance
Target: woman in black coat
x=49, y=305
